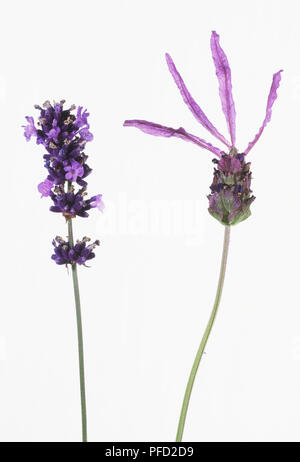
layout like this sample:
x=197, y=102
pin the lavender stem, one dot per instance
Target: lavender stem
x=199, y=354
x=80, y=338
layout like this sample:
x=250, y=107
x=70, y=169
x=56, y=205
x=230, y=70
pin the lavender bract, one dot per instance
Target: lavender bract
x=230, y=197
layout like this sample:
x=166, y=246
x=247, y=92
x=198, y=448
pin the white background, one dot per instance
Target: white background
x=148, y=294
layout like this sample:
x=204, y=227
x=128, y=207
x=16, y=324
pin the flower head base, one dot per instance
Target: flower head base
x=80, y=253
x=230, y=198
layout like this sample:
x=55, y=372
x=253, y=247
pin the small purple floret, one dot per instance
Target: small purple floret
x=86, y=135
x=73, y=171
x=97, y=201
x=81, y=117
x=45, y=187
x=29, y=130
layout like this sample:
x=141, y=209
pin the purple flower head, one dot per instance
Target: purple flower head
x=64, y=135
x=80, y=253
x=230, y=198
x=231, y=167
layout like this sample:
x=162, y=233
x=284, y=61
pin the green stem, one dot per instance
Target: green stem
x=80, y=339
x=199, y=354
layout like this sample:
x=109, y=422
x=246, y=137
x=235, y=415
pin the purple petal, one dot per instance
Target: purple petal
x=81, y=118
x=29, y=130
x=86, y=134
x=74, y=170
x=96, y=201
x=45, y=187
x=225, y=88
x=53, y=133
x=99, y=203
x=159, y=130
x=191, y=103
x=271, y=98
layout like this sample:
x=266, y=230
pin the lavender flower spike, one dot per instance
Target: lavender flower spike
x=230, y=195
x=64, y=135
